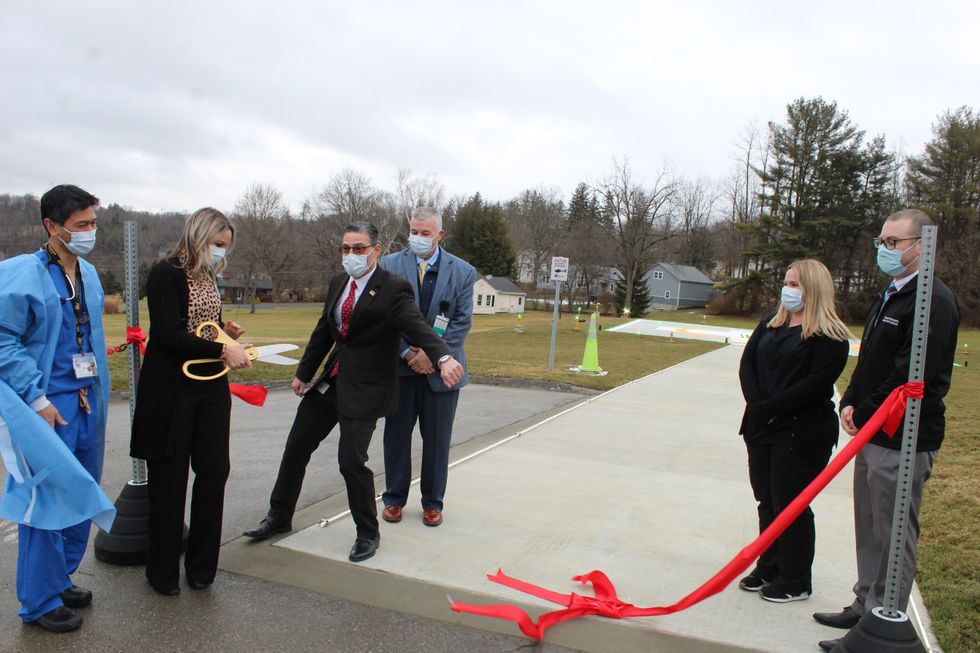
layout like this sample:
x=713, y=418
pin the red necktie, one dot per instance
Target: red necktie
x=345, y=312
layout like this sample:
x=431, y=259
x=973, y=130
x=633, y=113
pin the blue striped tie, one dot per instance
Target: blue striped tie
x=892, y=289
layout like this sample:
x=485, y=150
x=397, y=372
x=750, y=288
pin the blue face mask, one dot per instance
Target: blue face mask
x=217, y=253
x=792, y=299
x=81, y=243
x=421, y=245
x=890, y=260
x=356, y=265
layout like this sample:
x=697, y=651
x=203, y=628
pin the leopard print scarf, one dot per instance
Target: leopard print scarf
x=204, y=303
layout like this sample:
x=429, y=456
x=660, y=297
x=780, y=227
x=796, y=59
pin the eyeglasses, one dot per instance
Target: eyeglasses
x=892, y=243
x=357, y=249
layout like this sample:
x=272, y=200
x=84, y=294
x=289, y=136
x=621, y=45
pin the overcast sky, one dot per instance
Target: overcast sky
x=175, y=105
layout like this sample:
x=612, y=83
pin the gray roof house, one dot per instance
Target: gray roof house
x=673, y=287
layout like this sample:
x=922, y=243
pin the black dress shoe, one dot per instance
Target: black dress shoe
x=846, y=618
x=166, y=591
x=59, y=620
x=76, y=597
x=198, y=584
x=827, y=644
x=364, y=548
x=267, y=528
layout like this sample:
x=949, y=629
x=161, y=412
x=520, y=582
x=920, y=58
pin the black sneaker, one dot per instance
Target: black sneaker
x=59, y=620
x=754, y=582
x=780, y=594
x=76, y=597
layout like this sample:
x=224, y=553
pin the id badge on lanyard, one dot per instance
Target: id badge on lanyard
x=84, y=365
x=440, y=324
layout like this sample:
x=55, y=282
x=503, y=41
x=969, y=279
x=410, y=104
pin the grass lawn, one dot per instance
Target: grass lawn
x=492, y=349
x=949, y=562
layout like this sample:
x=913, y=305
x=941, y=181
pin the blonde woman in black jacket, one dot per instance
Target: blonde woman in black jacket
x=182, y=423
x=790, y=426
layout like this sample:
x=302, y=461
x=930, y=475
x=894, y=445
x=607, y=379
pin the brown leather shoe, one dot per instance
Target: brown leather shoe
x=432, y=517
x=392, y=514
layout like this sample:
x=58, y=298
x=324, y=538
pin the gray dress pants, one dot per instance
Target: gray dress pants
x=875, y=480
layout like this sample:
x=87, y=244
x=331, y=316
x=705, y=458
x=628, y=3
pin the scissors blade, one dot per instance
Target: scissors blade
x=269, y=350
x=276, y=359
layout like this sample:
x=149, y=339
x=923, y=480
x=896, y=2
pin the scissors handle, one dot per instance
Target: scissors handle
x=224, y=339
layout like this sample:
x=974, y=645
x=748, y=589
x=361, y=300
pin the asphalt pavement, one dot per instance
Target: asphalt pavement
x=240, y=613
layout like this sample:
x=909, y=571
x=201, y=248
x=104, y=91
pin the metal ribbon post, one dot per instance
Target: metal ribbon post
x=131, y=255
x=126, y=543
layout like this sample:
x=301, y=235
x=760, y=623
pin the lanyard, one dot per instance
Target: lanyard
x=77, y=298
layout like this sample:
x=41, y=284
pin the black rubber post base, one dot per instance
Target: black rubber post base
x=876, y=633
x=126, y=544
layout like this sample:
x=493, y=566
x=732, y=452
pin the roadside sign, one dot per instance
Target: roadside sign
x=559, y=268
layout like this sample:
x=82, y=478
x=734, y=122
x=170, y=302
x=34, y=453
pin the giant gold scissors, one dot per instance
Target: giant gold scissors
x=263, y=354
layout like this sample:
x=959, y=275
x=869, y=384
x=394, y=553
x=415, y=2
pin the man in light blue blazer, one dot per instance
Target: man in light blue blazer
x=443, y=286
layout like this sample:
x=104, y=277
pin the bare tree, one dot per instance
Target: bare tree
x=639, y=219
x=537, y=221
x=741, y=194
x=262, y=243
x=695, y=207
x=413, y=191
x=349, y=196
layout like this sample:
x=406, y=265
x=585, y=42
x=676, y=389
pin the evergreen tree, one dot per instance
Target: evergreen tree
x=480, y=237
x=640, y=297
x=945, y=182
x=823, y=193
x=586, y=243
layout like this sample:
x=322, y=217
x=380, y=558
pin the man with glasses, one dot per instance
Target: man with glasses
x=883, y=364
x=366, y=313
x=54, y=391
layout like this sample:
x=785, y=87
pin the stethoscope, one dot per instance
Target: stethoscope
x=82, y=314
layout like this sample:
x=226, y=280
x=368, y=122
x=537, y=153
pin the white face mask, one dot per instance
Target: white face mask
x=792, y=299
x=217, y=253
x=356, y=265
x=81, y=243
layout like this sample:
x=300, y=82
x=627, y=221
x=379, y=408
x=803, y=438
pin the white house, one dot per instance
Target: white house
x=497, y=295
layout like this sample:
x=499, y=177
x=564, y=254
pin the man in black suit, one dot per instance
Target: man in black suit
x=882, y=365
x=366, y=312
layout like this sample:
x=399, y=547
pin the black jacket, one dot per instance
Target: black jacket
x=802, y=409
x=883, y=363
x=170, y=345
x=367, y=382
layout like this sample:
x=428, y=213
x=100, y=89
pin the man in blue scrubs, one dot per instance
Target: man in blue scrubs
x=53, y=363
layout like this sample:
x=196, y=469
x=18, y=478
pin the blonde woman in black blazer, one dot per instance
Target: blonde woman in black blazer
x=179, y=422
x=790, y=426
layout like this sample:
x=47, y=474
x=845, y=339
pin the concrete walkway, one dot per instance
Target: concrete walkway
x=647, y=482
x=688, y=331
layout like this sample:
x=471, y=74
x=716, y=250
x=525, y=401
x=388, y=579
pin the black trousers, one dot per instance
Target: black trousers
x=315, y=418
x=202, y=418
x=778, y=475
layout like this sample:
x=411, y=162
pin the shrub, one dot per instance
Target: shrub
x=114, y=305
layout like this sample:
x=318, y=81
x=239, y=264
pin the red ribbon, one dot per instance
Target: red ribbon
x=251, y=394
x=135, y=336
x=606, y=603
